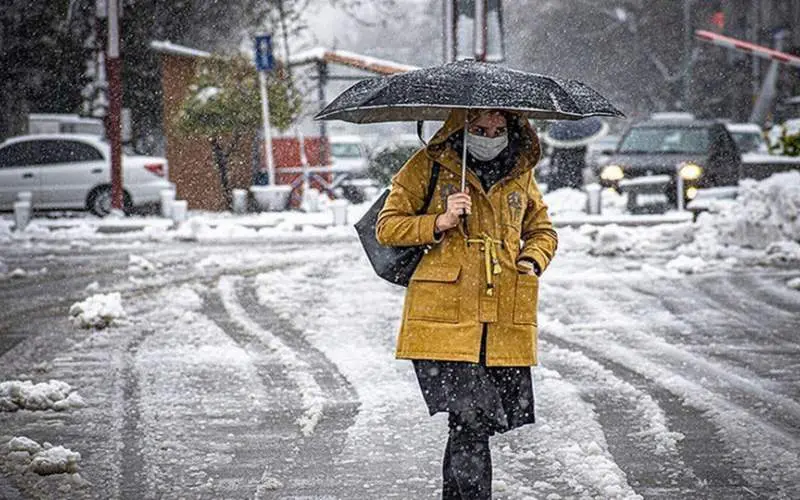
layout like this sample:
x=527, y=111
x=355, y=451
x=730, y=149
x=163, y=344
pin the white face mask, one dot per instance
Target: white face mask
x=486, y=148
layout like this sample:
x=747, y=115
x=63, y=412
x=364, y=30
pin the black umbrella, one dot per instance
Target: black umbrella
x=575, y=134
x=430, y=94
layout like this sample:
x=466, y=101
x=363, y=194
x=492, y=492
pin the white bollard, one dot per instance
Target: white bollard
x=24, y=196
x=167, y=198
x=339, y=211
x=22, y=214
x=311, y=200
x=594, y=205
x=179, y=208
x=679, y=187
x=239, y=201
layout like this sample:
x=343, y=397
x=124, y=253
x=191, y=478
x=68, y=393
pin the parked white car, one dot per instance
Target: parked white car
x=73, y=171
x=348, y=154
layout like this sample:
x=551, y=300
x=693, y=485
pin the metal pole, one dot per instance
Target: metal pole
x=679, y=183
x=114, y=131
x=322, y=70
x=687, y=54
x=480, y=30
x=267, y=135
x=448, y=26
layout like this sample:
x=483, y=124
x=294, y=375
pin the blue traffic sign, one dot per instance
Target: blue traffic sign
x=264, y=59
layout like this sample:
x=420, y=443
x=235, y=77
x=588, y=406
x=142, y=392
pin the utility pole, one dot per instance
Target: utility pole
x=473, y=29
x=688, y=35
x=113, y=120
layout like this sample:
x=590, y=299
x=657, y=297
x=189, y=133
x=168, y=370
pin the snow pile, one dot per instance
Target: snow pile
x=764, y=212
x=645, y=241
x=139, y=265
x=5, y=230
x=25, y=395
x=764, y=220
x=568, y=201
x=687, y=265
x=762, y=225
x=794, y=283
x=198, y=228
x=17, y=273
x=98, y=311
x=565, y=201
x=44, y=459
x=3, y=267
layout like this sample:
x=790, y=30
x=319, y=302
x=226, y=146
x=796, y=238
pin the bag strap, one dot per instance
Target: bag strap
x=431, y=187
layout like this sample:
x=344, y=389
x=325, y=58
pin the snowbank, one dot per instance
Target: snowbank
x=139, y=265
x=763, y=220
x=568, y=201
x=25, y=395
x=761, y=226
x=763, y=213
x=565, y=201
x=44, y=459
x=98, y=311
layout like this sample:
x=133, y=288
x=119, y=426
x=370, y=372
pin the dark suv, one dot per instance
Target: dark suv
x=652, y=154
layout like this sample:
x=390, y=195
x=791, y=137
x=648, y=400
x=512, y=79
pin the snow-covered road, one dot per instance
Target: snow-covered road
x=265, y=370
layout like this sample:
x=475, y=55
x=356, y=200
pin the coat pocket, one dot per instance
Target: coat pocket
x=434, y=294
x=526, y=299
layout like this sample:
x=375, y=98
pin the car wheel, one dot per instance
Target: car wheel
x=99, y=201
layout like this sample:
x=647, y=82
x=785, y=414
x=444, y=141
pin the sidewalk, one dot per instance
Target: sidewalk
x=293, y=220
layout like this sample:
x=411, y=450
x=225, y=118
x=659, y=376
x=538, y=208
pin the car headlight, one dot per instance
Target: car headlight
x=690, y=171
x=612, y=173
x=691, y=193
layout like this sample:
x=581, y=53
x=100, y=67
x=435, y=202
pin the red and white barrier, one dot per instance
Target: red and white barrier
x=751, y=48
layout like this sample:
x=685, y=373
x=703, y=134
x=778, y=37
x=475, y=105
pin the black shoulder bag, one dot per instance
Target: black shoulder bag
x=394, y=264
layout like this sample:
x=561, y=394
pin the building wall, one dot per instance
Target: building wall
x=191, y=166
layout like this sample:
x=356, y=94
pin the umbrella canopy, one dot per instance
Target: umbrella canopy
x=430, y=94
x=575, y=134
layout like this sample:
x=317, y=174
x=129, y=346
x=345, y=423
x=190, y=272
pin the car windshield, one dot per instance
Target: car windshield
x=747, y=142
x=345, y=150
x=665, y=140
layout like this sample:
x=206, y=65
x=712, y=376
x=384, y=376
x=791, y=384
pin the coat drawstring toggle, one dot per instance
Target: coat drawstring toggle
x=491, y=261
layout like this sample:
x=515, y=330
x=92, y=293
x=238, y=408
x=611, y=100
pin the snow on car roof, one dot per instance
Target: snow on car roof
x=92, y=139
x=743, y=127
x=341, y=139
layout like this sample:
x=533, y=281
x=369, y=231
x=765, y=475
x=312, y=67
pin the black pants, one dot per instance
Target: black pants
x=467, y=465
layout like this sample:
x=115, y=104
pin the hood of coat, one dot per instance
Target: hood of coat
x=438, y=147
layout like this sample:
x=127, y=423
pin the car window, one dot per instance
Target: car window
x=18, y=154
x=747, y=141
x=665, y=140
x=62, y=151
x=345, y=150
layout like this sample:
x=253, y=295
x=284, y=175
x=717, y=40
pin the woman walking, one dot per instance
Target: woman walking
x=469, y=319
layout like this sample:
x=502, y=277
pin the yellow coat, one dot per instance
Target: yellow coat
x=462, y=283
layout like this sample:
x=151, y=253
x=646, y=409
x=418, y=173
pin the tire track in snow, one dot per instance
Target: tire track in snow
x=132, y=456
x=667, y=449
x=767, y=456
x=307, y=468
x=299, y=371
x=743, y=387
